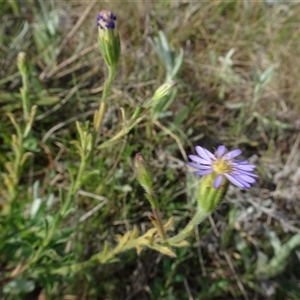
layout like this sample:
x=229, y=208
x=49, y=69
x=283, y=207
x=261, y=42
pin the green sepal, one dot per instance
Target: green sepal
x=209, y=197
x=109, y=46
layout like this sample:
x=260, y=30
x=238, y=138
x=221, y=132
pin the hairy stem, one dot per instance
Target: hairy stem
x=198, y=218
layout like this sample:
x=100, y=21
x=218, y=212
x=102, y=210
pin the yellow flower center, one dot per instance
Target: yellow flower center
x=221, y=166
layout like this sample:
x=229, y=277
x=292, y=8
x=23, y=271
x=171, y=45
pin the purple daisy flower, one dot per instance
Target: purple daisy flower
x=223, y=164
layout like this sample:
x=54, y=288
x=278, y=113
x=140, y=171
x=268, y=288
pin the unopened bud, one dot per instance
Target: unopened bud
x=164, y=90
x=108, y=37
x=22, y=63
x=143, y=175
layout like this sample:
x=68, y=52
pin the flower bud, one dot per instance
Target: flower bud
x=164, y=90
x=108, y=37
x=22, y=64
x=143, y=175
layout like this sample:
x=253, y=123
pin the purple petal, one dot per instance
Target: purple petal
x=218, y=181
x=236, y=182
x=199, y=160
x=232, y=154
x=197, y=166
x=247, y=178
x=203, y=167
x=203, y=172
x=244, y=167
x=238, y=172
x=241, y=162
x=220, y=151
x=204, y=153
x=193, y=165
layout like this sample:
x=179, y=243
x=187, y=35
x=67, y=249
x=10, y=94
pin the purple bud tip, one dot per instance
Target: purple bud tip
x=106, y=19
x=110, y=25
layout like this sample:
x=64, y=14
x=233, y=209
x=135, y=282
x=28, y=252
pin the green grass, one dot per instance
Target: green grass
x=247, y=98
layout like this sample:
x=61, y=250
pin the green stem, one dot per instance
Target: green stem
x=13, y=189
x=18, y=149
x=157, y=222
x=75, y=187
x=106, y=89
x=102, y=106
x=198, y=218
x=25, y=96
x=20, y=136
x=108, y=82
x=99, y=258
x=159, y=227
